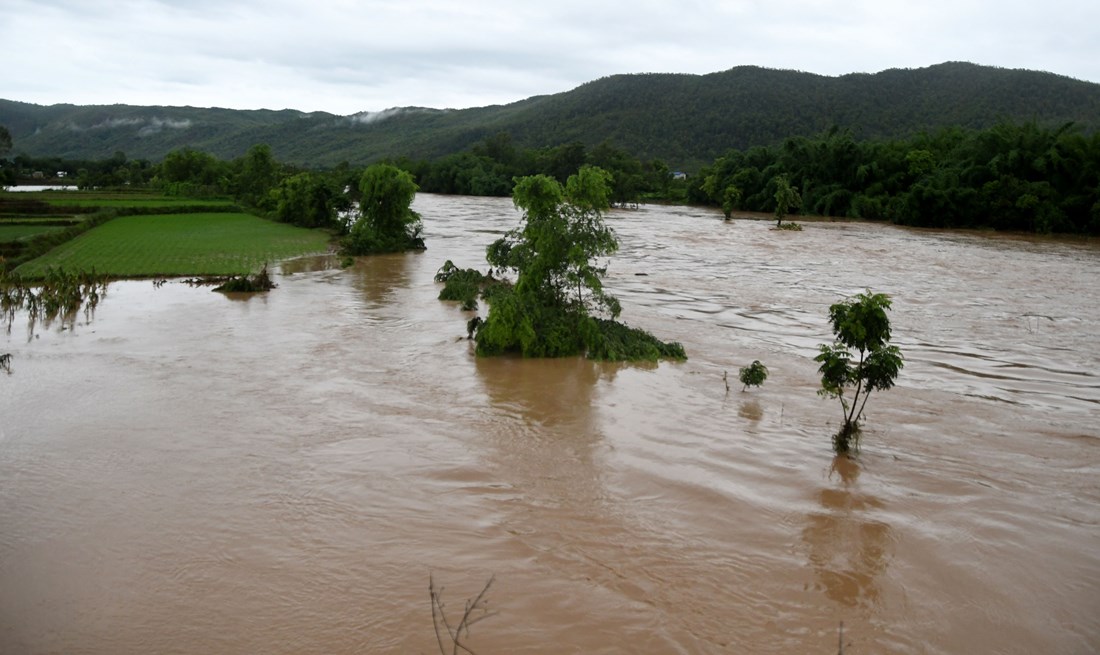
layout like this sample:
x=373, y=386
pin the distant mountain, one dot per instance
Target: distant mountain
x=685, y=120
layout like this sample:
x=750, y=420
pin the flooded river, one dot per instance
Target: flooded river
x=190, y=473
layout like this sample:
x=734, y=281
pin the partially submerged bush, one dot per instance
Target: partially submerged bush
x=462, y=284
x=541, y=331
x=246, y=284
x=860, y=324
x=613, y=341
x=553, y=309
x=386, y=223
x=753, y=375
x=59, y=295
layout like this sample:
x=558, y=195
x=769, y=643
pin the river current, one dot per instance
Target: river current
x=187, y=472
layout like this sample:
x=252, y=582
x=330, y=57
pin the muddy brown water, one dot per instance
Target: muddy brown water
x=190, y=473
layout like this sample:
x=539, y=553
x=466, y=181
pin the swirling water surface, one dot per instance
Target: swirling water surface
x=190, y=473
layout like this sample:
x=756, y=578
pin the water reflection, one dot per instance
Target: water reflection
x=379, y=276
x=548, y=445
x=750, y=410
x=59, y=299
x=310, y=264
x=246, y=296
x=848, y=550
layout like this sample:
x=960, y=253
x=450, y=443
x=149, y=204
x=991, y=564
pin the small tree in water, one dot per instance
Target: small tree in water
x=860, y=324
x=787, y=199
x=386, y=224
x=557, y=254
x=753, y=375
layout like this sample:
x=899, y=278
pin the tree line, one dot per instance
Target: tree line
x=1013, y=176
x=491, y=167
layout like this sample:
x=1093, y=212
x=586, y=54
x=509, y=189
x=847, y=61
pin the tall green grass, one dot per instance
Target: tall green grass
x=179, y=244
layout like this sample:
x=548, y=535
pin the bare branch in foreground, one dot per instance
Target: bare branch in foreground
x=476, y=610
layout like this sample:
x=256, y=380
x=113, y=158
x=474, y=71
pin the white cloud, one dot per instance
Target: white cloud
x=347, y=57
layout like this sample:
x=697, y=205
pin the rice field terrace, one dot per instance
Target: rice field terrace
x=74, y=199
x=141, y=234
x=21, y=231
x=165, y=245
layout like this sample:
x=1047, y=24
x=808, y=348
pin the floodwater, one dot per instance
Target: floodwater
x=191, y=473
x=39, y=187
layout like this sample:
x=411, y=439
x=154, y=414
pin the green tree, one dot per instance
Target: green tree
x=859, y=324
x=191, y=172
x=562, y=161
x=5, y=141
x=307, y=200
x=731, y=200
x=787, y=198
x=258, y=175
x=554, y=308
x=555, y=252
x=753, y=375
x=386, y=222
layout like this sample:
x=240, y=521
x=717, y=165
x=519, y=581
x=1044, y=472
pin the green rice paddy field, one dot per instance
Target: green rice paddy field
x=127, y=199
x=23, y=231
x=180, y=244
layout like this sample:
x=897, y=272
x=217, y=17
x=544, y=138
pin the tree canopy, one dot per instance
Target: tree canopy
x=859, y=324
x=557, y=305
x=5, y=141
x=386, y=223
x=1013, y=176
x=307, y=200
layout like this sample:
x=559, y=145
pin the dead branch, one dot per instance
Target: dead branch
x=475, y=611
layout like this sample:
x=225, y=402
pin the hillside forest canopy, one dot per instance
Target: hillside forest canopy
x=1017, y=176
x=685, y=120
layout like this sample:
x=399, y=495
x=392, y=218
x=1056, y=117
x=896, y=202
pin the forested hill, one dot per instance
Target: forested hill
x=685, y=120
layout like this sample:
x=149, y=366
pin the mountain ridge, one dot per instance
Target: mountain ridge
x=684, y=119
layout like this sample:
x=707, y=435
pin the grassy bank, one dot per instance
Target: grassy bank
x=179, y=244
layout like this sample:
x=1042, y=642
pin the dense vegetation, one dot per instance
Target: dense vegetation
x=916, y=147
x=386, y=222
x=1012, y=176
x=557, y=306
x=685, y=120
x=491, y=167
x=1008, y=177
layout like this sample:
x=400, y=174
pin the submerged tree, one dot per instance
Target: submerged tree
x=860, y=324
x=58, y=296
x=787, y=199
x=386, y=223
x=553, y=309
x=752, y=375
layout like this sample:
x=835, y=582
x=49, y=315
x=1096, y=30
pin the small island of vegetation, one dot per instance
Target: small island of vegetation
x=557, y=306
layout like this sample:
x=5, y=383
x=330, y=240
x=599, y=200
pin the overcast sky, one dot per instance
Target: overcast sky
x=348, y=56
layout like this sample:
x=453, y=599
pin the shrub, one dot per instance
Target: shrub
x=753, y=375
x=859, y=324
